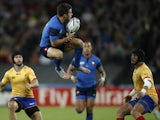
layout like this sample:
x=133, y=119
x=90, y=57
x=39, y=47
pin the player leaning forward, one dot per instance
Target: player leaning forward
x=56, y=40
x=146, y=97
x=22, y=79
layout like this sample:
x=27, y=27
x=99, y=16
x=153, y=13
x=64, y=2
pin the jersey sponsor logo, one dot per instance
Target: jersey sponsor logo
x=15, y=98
x=82, y=63
x=93, y=63
x=60, y=32
x=45, y=49
x=54, y=32
x=31, y=103
x=77, y=92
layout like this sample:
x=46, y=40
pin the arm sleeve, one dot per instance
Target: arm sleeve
x=146, y=74
x=31, y=75
x=5, y=78
x=53, y=34
x=99, y=64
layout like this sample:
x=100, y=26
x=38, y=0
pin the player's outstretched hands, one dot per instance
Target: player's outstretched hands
x=101, y=82
x=69, y=36
x=74, y=78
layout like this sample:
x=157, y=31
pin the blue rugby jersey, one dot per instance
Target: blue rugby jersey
x=53, y=30
x=87, y=80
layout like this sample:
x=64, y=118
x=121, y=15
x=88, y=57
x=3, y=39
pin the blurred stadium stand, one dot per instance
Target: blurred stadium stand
x=114, y=26
x=47, y=75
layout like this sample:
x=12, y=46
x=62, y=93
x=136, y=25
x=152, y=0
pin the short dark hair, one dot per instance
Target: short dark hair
x=140, y=53
x=63, y=8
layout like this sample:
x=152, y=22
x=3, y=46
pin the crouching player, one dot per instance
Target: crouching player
x=22, y=79
x=144, y=89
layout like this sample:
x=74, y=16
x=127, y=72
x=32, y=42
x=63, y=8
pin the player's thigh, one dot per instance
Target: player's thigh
x=124, y=110
x=90, y=102
x=138, y=108
x=13, y=105
x=80, y=104
x=54, y=53
x=76, y=43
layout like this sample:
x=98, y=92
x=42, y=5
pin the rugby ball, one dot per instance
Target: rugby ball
x=73, y=25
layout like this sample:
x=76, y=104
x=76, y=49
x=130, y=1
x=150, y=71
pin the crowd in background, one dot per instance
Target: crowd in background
x=115, y=27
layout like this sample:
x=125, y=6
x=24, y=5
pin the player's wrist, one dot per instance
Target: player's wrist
x=72, y=77
x=103, y=79
x=132, y=93
x=143, y=90
x=66, y=39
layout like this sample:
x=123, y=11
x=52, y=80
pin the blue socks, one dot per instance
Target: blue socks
x=89, y=116
x=77, y=56
x=57, y=64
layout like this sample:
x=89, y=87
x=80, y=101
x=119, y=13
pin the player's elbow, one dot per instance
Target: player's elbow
x=37, y=85
x=1, y=86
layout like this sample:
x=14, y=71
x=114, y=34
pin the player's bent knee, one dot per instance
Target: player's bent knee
x=134, y=112
x=77, y=42
x=12, y=105
x=37, y=116
x=54, y=53
x=79, y=110
x=59, y=55
x=120, y=112
x=89, y=109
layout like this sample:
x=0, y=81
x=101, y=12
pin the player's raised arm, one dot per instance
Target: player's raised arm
x=102, y=75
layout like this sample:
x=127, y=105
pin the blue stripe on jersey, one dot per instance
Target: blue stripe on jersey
x=88, y=80
x=53, y=32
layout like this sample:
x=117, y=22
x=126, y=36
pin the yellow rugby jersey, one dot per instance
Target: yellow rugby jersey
x=18, y=81
x=139, y=74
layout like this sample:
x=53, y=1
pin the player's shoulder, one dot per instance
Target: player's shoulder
x=27, y=67
x=144, y=68
x=54, y=20
x=95, y=57
x=9, y=71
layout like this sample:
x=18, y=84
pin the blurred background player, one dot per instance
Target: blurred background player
x=54, y=40
x=22, y=79
x=86, y=83
x=146, y=96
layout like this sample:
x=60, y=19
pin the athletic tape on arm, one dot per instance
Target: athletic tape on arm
x=147, y=82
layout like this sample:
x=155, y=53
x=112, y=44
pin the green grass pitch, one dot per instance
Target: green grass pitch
x=68, y=113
